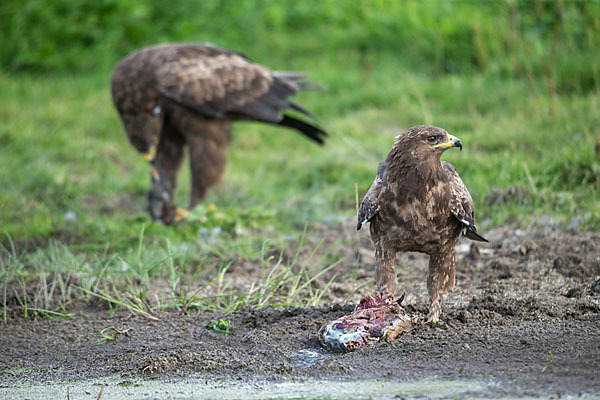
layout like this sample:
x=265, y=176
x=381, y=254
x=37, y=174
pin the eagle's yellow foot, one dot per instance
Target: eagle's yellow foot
x=434, y=313
x=180, y=214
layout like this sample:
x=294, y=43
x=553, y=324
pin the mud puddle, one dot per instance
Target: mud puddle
x=113, y=388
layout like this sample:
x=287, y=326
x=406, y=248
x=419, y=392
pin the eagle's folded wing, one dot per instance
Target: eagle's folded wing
x=369, y=206
x=226, y=83
x=461, y=204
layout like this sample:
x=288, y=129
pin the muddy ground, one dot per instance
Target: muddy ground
x=524, y=317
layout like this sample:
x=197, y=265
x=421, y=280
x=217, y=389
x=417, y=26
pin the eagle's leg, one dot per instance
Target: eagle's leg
x=385, y=269
x=207, y=163
x=164, y=168
x=440, y=279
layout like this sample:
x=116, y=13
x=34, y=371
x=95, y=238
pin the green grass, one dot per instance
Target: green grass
x=64, y=151
x=72, y=195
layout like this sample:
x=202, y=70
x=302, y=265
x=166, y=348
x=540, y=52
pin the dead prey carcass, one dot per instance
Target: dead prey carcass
x=375, y=318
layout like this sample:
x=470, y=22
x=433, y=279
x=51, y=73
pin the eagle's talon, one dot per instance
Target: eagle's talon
x=180, y=214
x=156, y=204
x=435, y=310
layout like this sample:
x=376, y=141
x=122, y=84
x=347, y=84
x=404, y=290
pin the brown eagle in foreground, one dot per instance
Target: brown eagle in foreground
x=419, y=203
x=173, y=95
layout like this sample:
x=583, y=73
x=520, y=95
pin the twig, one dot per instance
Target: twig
x=101, y=390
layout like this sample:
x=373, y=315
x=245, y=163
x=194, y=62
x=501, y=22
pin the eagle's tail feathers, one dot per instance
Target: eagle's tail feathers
x=311, y=131
x=296, y=79
x=307, y=86
x=302, y=110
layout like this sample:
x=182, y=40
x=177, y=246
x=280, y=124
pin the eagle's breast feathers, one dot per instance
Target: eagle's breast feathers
x=414, y=202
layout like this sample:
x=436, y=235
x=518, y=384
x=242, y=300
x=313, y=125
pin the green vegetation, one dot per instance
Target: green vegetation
x=516, y=81
x=221, y=326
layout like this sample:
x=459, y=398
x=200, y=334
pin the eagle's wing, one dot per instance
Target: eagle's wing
x=461, y=204
x=226, y=83
x=369, y=206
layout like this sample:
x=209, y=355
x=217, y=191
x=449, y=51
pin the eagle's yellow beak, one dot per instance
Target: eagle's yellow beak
x=453, y=141
x=149, y=156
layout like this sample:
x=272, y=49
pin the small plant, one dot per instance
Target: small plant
x=51, y=314
x=549, y=362
x=110, y=334
x=106, y=336
x=221, y=326
x=125, y=299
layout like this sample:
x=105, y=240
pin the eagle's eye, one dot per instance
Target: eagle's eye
x=431, y=139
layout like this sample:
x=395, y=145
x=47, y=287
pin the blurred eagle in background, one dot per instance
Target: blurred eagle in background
x=173, y=95
x=419, y=203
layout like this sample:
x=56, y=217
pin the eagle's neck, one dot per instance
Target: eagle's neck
x=412, y=169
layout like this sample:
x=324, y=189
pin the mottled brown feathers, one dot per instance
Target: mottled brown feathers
x=213, y=82
x=418, y=203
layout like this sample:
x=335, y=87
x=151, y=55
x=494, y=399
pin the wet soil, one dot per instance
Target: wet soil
x=524, y=317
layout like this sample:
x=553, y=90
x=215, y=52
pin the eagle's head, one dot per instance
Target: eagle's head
x=423, y=142
x=144, y=129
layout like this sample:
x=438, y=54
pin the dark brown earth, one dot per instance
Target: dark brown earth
x=524, y=318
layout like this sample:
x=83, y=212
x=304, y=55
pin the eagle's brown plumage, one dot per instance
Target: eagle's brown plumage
x=173, y=95
x=419, y=203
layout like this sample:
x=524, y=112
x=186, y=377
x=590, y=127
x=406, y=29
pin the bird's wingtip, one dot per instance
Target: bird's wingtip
x=473, y=235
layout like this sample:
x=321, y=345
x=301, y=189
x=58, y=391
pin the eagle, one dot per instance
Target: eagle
x=418, y=203
x=185, y=94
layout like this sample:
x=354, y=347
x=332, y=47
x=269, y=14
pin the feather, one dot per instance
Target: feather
x=311, y=131
x=471, y=233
